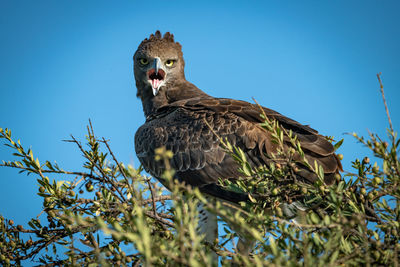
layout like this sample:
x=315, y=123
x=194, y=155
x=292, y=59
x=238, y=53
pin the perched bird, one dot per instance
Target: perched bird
x=190, y=123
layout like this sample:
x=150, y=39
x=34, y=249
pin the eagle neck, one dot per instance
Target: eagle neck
x=168, y=95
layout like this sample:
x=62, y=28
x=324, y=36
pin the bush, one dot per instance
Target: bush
x=113, y=214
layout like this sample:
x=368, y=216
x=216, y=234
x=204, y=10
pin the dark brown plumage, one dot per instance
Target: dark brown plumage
x=176, y=114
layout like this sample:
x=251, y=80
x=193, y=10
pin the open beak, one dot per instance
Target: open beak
x=156, y=76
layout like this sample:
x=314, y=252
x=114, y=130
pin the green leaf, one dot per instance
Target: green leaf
x=252, y=199
x=314, y=218
x=246, y=169
x=338, y=144
x=37, y=163
x=334, y=256
x=273, y=246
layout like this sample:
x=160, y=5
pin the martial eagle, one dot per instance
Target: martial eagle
x=190, y=123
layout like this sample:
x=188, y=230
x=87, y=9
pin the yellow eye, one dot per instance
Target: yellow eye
x=143, y=61
x=169, y=63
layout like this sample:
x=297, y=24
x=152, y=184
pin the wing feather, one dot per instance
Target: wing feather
x=199, y=160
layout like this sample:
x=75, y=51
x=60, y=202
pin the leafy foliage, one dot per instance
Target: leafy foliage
x=113, y=214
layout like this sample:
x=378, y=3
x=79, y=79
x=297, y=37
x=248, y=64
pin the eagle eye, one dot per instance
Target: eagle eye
x=143, y=61
x=169, y=63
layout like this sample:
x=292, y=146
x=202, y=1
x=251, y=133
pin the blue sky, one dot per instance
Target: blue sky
x=63, y=62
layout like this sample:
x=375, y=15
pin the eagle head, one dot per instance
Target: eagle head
x=158, y=63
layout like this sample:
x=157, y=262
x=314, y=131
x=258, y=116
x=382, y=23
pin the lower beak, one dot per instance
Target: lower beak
x=155, y=91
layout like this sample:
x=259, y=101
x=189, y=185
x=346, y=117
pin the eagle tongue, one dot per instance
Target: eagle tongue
x=154, y=84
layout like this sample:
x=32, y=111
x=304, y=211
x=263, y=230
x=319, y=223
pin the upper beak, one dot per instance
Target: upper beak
x=157, y=64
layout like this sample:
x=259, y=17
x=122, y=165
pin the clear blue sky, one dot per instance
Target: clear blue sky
x=63, y=62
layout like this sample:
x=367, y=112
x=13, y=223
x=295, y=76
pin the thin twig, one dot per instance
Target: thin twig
x=159, y=219
x=121, y=170
x=154, y=204
x=152, y=198
x=160, y=198
x=384, y=102
x=83, y=174
x=105, y=177
x=88, y=157
x=46, y=243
